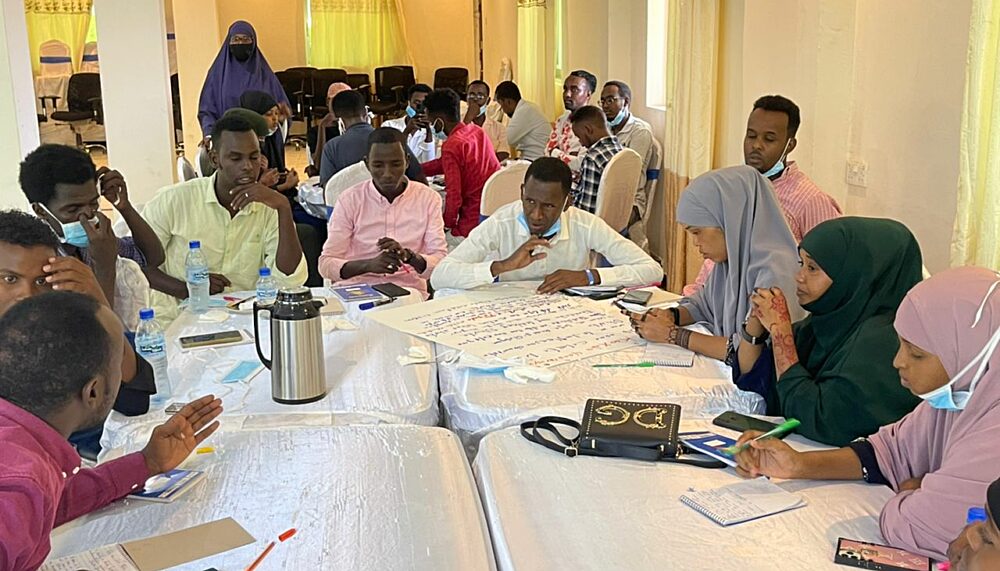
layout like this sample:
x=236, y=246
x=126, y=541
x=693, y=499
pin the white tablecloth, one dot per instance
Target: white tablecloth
x=477, y=403
x=366, y=384
x=548, y=511
x=362, y=497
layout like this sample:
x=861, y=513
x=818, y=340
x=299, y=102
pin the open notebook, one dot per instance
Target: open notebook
x=666, y=355
x=743, y=501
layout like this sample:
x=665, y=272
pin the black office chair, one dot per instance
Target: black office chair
x=362, y=83
x=456, y=78
x=84, y=104
x=175, y=99
x=391, y=85
x=296, y=82
x=322, y=79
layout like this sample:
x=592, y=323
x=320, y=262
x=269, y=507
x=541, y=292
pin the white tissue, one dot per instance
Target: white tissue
x=524, y=374
x=332, y=324
x=415, y=356
x=213, y=316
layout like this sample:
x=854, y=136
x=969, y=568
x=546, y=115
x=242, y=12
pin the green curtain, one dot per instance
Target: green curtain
x=357, y=35
x=976, y=238
x=63, y=20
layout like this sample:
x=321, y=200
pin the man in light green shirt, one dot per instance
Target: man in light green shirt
x=242, y=225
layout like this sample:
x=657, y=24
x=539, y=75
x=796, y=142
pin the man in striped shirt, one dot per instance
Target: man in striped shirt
x=769, y=139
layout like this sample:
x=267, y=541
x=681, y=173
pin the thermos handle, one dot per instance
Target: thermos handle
x=256, y=332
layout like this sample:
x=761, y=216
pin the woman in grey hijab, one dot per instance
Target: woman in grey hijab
x=734, y=219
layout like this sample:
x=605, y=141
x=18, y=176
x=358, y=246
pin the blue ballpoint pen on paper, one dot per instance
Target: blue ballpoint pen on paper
x=784, y=428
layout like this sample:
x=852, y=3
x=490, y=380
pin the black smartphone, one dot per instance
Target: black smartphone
x=638, y=297
x=864, y=555
x=210, y=339
x=741, y=422
x=391, y=290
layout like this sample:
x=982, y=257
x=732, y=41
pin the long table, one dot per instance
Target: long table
x=365, y=382
x=361, y=497
x=550, y=511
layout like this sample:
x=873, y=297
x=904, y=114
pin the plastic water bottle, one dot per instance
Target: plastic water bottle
x=267, y=288
x=152, y=346
x=197, y=278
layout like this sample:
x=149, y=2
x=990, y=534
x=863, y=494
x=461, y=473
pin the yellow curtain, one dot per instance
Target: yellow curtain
x=535, y=68
x=63, y=20
x=357, y=35
x=692, y=29
x=977, y=223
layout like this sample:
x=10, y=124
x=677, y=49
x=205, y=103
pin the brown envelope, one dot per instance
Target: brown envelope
x=180, y=547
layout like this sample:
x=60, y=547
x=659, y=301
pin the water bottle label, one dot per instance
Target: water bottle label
x=197, y=275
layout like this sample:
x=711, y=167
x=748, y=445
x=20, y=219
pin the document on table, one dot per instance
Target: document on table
x=106, y=558
x=537, y=330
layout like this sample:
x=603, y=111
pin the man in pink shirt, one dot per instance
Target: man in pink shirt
x=467, y=160
x=52, y=384
x=769, y=139
x=387, y=229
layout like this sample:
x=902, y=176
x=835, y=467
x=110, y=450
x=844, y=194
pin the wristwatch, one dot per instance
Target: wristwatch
x=750, y=338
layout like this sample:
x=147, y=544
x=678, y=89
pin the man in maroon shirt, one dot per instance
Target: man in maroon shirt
x=60, y=371
x=467, y=160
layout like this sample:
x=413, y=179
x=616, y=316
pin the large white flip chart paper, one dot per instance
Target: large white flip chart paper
x=539, y=330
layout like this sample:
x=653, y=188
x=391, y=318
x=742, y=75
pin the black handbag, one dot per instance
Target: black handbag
x=621, y=429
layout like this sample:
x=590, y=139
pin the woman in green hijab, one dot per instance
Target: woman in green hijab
x=833, y=370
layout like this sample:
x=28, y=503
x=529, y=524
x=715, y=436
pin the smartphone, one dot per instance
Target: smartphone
x=391, y=290
x=638, y=297
x=211, y=339
x=741, y=422
x=175, y=407
x=243, y=371
x=866, y=555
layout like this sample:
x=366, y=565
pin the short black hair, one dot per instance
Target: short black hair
x=19, y=228
x=591, y=78
x=479, y=82
x=550, y=169
x=781, y=105
x=348, y=103
x=623, y=89
x=508, y=90
x=444, y=102
x=386, y=136
x=418, y=88
x=51, y=346
x=255, y=119
x=49, y=165
x=588, y=113
x=234, y=122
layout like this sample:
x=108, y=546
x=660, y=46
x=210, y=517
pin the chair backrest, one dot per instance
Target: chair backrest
x=54, y=58
x=386, y=78
x=185, y=170
x=345, y=179
x=616, y=192
x=203, y=163
x=82, y=89
x=456, y=78
x=294, y=83
x=90, y=61
x=362, y=83
x=652, y=176
x=503, y=187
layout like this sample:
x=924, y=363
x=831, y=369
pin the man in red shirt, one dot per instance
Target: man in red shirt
x=467, y=160
x=52, y=384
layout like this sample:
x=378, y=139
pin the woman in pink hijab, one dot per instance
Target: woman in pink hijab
x=940, y=458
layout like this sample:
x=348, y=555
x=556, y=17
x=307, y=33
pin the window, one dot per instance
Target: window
x=656, y=54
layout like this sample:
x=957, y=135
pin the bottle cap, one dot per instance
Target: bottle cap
x=146, y=313
x=265, y=272
x=194, y=244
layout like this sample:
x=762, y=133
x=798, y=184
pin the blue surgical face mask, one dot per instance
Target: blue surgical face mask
x=73, y=233
x=439, y=135
x=552, y=231
x=411, y=112
x=619, y=118
x=945, y=397
x=482, y=111
x=779, y=165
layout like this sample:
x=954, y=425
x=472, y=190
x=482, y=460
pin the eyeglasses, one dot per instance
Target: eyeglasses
x=610, y=100
x=477, y=96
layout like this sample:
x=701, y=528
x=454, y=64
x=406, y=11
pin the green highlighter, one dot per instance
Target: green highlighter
x=780, y=430
x=619, y=365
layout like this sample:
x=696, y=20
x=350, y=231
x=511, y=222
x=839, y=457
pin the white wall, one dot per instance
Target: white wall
x=19, y=127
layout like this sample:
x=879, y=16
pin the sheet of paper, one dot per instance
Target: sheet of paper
x=107, y=558
x=191, y=544
x=538, y=330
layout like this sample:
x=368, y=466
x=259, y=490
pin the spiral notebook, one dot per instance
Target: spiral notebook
x=743, y=501
x=666, y=355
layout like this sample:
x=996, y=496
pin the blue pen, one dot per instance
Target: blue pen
x=372, y=304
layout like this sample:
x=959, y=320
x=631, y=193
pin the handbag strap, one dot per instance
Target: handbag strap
x=530, y=430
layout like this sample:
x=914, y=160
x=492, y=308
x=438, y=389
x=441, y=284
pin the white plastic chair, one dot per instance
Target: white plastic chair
x=503, y=187
x=54, y=58
x=346, y=178
x=91, y=61
x=185, y=170
x=616, y=192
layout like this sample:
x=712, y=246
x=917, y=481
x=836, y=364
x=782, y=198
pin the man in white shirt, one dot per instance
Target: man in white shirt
x=635, y=134
x=476, y=112
x=414, y=124
x=543, y=237
x=528, y=129
x=563, y=143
